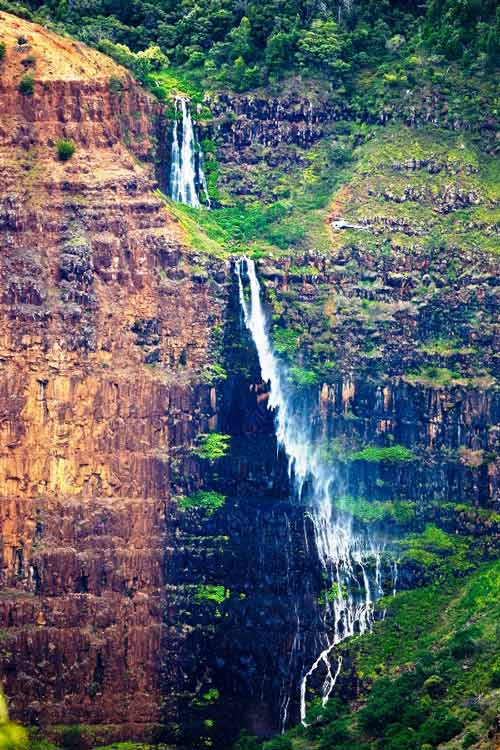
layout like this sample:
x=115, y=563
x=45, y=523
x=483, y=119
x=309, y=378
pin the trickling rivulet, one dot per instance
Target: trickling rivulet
x=351, y=557
x=186, y=170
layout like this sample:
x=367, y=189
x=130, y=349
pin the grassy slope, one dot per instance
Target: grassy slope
x=447, y=638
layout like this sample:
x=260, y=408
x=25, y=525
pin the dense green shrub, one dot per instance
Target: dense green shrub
x=440, y=727
x=399, y=737
x=246, y=742
x=303, y=378
x=335, y=734
x=209, y=501
x=495, y=678
x=65, y=149
x=463, y=645
x=278, y=743
x=470, y=738
x=212, y=446
x=435, y=686
x=375, y=454
x=73, y=738
x=12, y=736
x=285, y=341
x=386, y=702
x=26, y=85
x=2, y=50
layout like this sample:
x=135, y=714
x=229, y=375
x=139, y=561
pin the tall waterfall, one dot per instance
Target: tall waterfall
x=352, y=558
x=186, y=170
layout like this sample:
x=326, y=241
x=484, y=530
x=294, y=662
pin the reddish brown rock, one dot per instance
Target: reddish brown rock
x=87, y=425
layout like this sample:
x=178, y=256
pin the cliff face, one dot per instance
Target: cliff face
x=101, y=323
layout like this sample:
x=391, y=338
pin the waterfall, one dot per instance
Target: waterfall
x=351, y=557
x=186, y=168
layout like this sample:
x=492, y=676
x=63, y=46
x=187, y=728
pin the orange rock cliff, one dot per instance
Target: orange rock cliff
x=88, y=422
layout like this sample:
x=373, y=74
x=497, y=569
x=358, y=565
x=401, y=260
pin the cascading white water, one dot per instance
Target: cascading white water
x=184, y=170
x=351, y=558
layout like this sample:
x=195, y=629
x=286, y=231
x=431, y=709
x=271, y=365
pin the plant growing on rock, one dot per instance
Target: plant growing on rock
x=2, y=50
x=115, y=85
x=212, y=446
x=211, y=593
x=376, y=454
x=65, y=149
x=12, y=736
x=207, y=501
x=26, y=85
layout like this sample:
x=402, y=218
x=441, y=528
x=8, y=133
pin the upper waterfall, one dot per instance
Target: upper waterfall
x=352, y=557
x=186, y=168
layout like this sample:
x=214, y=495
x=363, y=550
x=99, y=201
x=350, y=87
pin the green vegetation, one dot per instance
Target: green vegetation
x=213, y=373
x=211, y=696
x=208, y=593
x=376, y=454
x=373, y=511
x=141, y=63
x=207, y=501
x=303, y=378
x=333, y=593
x=26, y=85
x=115, y=85
x=74, y=738
x=435, y=376
x=3, y=50
x=439, y=554
x=65, y=149
x=246, y=45
x=212, y=446
x=285, y=341
x=12, y=736
x=428, y=673
x=125, y=746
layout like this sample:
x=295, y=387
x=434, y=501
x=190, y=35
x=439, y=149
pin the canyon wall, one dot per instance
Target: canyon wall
x=103, y=323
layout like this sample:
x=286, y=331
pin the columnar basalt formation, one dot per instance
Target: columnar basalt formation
x=102, y=325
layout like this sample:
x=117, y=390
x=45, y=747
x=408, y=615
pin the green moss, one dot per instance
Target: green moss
x=209, y=593
x=435, y=377
x=207, y=501
x=372, y=511
x=285, y=341
x=211, y=696
x=303, y=378
x=213, y=373
x=212, y=446
x=445, y=348
x=376, y=454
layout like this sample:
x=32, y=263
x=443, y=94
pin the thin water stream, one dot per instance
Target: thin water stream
x=351, y=556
